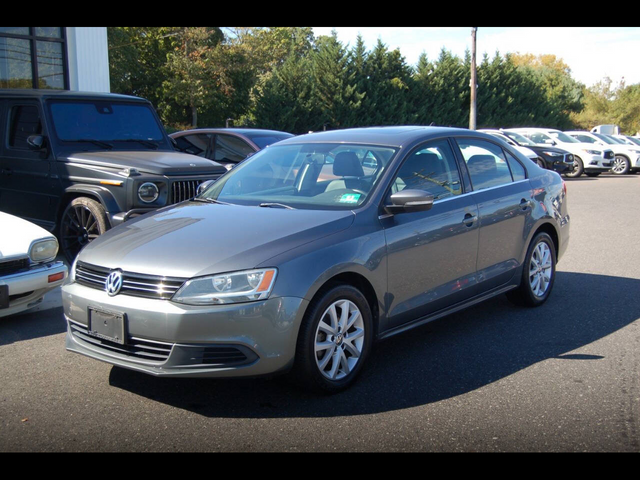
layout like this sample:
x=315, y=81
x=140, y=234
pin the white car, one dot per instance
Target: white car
x=588, y=158
x=28, y=268
x=527, y=152
x=627, y=158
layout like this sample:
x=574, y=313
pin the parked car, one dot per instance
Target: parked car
x=227, y=146
x=627, y=139
x=551, y=158
x=272, y=268
x=587, y=159
x=627, y=158
x=28, y=268
x=79, y=163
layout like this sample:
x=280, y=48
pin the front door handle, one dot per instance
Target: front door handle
x=469, y=219
x=524, y=204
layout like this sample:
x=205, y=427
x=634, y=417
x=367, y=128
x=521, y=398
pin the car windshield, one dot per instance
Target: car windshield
x=306, y=176
x=616, y=140
x=520, y=139
x=104, y=121
x=563, y=137
x=634, y=140
x=262, y=140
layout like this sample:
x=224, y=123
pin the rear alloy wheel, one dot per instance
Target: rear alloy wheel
x=83, y=220
x=334, y=340
x=538, y=273
x=621, y=165
x=578, y=168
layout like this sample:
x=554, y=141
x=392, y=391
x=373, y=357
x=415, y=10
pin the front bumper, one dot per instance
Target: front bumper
x=26, y=289
x=163, y=338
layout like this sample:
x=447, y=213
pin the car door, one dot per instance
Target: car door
x=431, y=255
x=505, y=198
x=28, y=189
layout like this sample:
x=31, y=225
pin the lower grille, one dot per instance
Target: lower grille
x=222, y=356
x=135, y=284
x=135, y=347
x=13, y=266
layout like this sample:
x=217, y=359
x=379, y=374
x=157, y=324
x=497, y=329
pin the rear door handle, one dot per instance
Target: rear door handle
x=469, y=219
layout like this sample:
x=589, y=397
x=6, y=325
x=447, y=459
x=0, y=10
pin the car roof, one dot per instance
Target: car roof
x=45, y=93
x=241, y=131
x=396, y=136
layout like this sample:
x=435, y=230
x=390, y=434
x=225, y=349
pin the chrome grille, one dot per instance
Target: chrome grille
x=135, y=284
x=135, y=347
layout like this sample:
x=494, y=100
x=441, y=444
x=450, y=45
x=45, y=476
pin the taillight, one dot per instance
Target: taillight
x=564, y=187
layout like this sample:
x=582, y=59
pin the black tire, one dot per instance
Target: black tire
x=540, y=163
x=621, y=165
x=525, y=295
x=578, y=168
x=593, y=174
x=307, y=371
x=82, y=221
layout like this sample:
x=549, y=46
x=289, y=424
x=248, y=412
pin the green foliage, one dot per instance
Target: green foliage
x=286, y=79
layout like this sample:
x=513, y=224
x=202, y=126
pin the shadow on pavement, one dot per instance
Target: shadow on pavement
x=440, y=360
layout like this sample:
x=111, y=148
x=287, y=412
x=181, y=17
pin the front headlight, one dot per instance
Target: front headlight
x=552, y=154
x=593, y=152
x=148, y=192
x=43, y=250
x=235, y=287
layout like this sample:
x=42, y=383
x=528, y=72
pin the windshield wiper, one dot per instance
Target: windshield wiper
x=146, y=143
x=209, y=200
x=95, y=142
x=276, y=205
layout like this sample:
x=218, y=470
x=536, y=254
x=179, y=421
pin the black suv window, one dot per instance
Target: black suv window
x=196, y=144
x=104, y=120
x=24, y=122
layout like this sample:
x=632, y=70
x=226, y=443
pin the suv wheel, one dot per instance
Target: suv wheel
x=621, y=165
x=538, y=273
x=578, y=168
x=83, y=220
x=334, y=340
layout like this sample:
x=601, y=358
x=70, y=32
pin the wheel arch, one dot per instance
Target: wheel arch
x=99, y=194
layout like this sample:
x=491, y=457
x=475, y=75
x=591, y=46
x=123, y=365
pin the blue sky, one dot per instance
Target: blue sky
x=591, y=52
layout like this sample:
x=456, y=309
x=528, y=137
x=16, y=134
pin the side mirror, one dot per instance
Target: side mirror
x=203, y=186
x=36, y=142
x=407, y=201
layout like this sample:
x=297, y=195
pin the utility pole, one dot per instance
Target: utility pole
x=472, y=84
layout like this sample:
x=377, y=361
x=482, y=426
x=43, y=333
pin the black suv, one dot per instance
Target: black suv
x=80, y=163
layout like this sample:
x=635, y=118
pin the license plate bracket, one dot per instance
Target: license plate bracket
x=107, y=325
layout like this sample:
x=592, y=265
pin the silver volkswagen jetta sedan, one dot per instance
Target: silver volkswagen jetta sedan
x=303, y=255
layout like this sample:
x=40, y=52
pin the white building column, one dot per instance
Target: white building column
x=88, y=56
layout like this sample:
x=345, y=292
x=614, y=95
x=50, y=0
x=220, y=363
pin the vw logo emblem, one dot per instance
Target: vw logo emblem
x=113, y=283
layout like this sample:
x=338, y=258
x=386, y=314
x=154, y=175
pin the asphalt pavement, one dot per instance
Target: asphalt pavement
x=495, y=377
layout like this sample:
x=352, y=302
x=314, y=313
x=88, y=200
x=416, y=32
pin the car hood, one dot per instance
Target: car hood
x=193, y=239
x=23, y=234
x=153, y=161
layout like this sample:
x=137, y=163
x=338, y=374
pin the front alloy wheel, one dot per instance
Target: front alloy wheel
x=578, y=168
x=334, y=339
x=339, y=340
x=621, y=165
